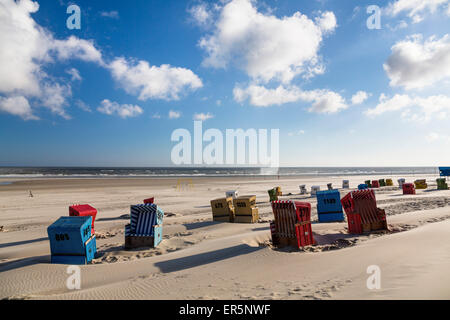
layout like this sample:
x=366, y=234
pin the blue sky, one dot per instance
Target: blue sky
x=101, y=95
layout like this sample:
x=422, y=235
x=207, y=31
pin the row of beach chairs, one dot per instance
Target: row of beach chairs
x=292, y=219
x=73, y=239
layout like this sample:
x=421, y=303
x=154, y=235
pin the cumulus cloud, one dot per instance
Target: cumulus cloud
x=359, y=97
x=415, y=63
x=200, y=14
x=415, y=9
x=18, y=106
x=322, y=101
x=152, y=82
x=75, y=48
x=122, y=110
x=74, y=74
x=54, y=97
x=437, y=106
x=174, y=114
x=327, y=21
x=264, y=46
x=26, y=49
x=261, y=96
x=203, y=116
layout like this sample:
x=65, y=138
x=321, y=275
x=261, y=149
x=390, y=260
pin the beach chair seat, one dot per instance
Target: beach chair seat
x=144, y=216
x=232, y=193
x=345, y=184
x=71, y=240
x=401, y=181
x=245, y=209
x=408, y=188
x=421, y=184
x=362, y=212
x=389, y=182
x=375, y=184
x=369, y=183
x=314, y=190
x=442, y=184
x=382, y=182
x=444, y=171
x=303, y=189
x=329, y=207
x=363, y=186
x=272, y=195
x=292, y=224
x=278, y=191
x=223, y=210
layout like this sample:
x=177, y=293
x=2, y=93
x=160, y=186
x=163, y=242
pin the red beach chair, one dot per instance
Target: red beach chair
x=362, y=212
x=149, y=200
x=292, y=224
x=408, y=188
x=83, y=210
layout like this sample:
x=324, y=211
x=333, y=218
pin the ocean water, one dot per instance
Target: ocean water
x=11, y=172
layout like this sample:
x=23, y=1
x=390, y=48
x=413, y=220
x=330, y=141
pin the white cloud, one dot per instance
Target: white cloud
x=327, y=21
x=297, y=133
x=54, y=97
x=323, y=101
x=75, y=48
x=360, y=97
x=415, y=9
x=110, y=14
x=151, y=82
x=75, y=74
x=434, y=137
x=203, y=116
x=200, y=14
x=26, y=49
x=156, y=116
x=174, y=114
x=83, y=106
x=122, y=110
x=264, y=46
x=260, y=96
x=437, y=106
x=24, y=46
x=415, y=63
x=17, y=106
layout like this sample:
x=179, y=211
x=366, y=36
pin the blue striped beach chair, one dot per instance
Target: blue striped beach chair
x=145, y=228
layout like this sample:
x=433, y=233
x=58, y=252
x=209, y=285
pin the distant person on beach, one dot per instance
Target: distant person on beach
x=31, y=194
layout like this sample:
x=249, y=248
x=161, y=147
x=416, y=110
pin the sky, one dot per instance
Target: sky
x=342, y=90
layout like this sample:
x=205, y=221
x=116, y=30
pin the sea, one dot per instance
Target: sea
x=90, y=172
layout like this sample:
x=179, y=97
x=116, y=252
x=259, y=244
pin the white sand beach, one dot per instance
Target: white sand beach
x=202, y=259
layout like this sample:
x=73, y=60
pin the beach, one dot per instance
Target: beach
x=202, y=259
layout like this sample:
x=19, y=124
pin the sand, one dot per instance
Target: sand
x=202, y=259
